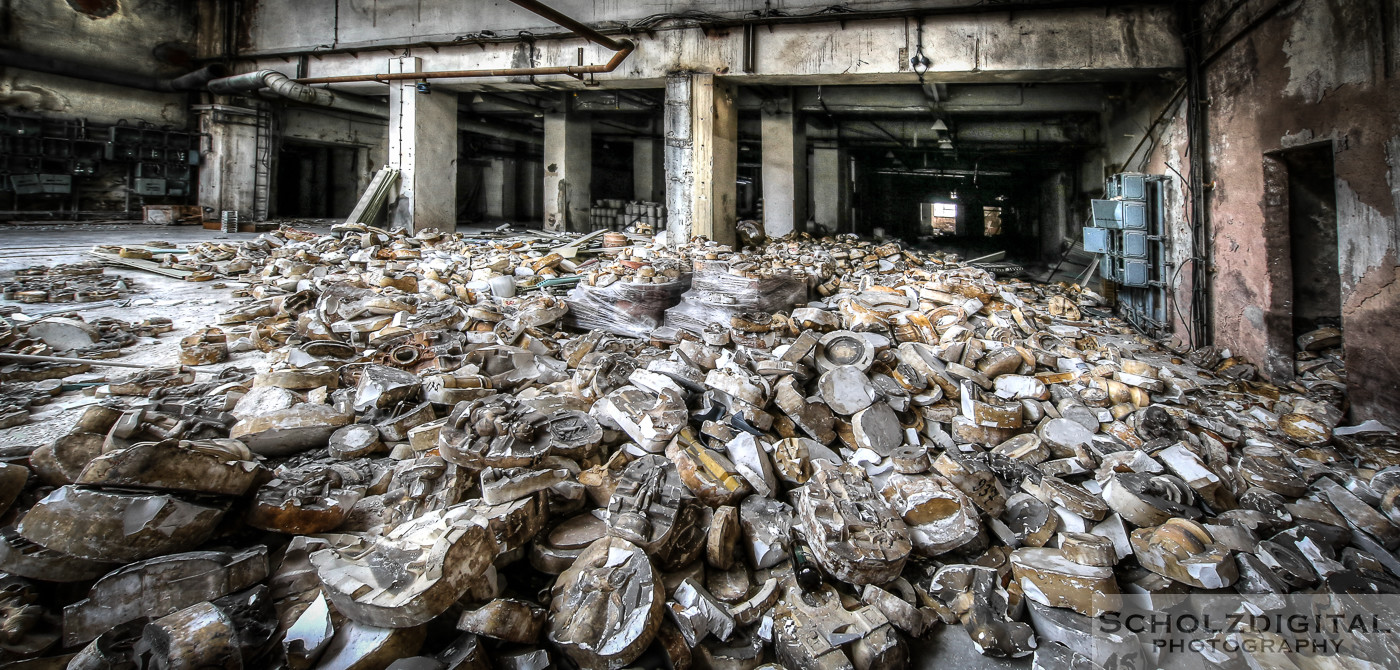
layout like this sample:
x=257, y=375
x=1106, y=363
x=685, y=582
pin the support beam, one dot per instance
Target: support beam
x=784, y=171
x=568, y=171
x=423, y=146
x=830, y=185
x=498, y=186
x=648, y=178
x=702, y=150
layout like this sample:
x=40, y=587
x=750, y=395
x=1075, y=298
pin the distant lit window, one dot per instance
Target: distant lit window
x=939, y=218
x=945, y=209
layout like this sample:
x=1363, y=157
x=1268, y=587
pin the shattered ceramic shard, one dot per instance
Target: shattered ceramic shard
x=231, y=632
x=1089, y=549
x=289, y=431
x=573, y=434
x=314, y=498
x=650, y=420
x=698, y=615
x=911, y=459
x=19, y=556
x=1065, y=438
x=112, y=526
x=606, y=608
x=843, y=347
x=1049, y=578
x=877, y=428
x=408, y=576
x=159, y=586
x=1182, y=550
x=397, y=427
x=652, y=509
x=1146, y=500
x=758, y=605
x=1358, y=514
x=814, y=418
x=975, y=479
x=767, y=525
x=358, y=646
x=356, y=440
x=900, y=612
x=505, y=619
x=555, y=551
x=975, y=596
x=496, y=431
x=112, y=649
x=502, y=485
x=846, y=390
x=752, y=461
x=1030, y=520
x=710, y=475
x=853, y=534
x=27, y=629
x=218, y=467
x=382, y=386
x=1056, y=491
x=308, y=636
x=62, y=461
x=12, y=479
x=815, y=630
x=1185, y=464
x=722, y=537
x=939, y=516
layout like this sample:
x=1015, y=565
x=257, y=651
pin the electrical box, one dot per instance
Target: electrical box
x=1134, y=244
x=1134, y=215
x=149, y=186
x=1134, y=273
x=1096, y=241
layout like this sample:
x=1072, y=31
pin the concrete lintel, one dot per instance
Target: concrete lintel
x=1051, y=45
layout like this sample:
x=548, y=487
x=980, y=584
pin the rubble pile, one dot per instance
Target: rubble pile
x=863, y=447
x=76, y=282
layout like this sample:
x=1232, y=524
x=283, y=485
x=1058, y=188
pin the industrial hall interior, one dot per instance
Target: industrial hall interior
x=712, y=335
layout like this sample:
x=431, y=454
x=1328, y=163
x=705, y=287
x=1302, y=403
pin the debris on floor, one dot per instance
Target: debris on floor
x=813, y=453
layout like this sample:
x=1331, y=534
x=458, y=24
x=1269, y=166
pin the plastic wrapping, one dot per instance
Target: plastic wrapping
x=623, y=307
x=717, y=293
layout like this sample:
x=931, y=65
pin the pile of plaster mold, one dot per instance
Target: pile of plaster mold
x=429, y=477
x=27, y=384
x=74, y=282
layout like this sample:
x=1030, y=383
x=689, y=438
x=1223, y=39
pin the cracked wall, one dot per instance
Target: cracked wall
x=148, y=37
x=1316, y=71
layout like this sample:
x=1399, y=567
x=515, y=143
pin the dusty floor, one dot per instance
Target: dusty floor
x=189, y=305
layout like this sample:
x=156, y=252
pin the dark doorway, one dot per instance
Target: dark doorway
x=1312, y=235
x=316, y=181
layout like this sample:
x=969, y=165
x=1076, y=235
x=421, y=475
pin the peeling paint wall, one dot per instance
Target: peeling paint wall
x=148, y=37
x=1316, y=71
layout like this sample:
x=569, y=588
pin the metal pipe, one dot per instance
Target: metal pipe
x=187, y=82
x=572, y=70
x=578, y=28
x=285, y=87
x=25, y=358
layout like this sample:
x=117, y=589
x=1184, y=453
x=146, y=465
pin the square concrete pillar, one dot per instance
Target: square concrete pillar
x=784, y=171
x=498, y=188
x=423, y=146
x=702, y=154
x=830, y=188
x=648, y=179
x=568, y=171
x=229, y=153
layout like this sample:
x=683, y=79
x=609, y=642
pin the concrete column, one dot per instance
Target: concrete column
x=784, y=171
x=568, y=171
x=423, y=146
x=498, y=188
x=648, y=177
x=229, y=154
x=830, y=186
x=702, y=153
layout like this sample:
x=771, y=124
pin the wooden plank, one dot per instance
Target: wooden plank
x=148, y=266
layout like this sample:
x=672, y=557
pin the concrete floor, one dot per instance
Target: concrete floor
x=189, y=305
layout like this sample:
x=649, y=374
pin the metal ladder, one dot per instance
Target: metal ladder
x=262, y=165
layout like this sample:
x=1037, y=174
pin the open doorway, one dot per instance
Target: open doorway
x=316, y=181
x=1312, y=235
